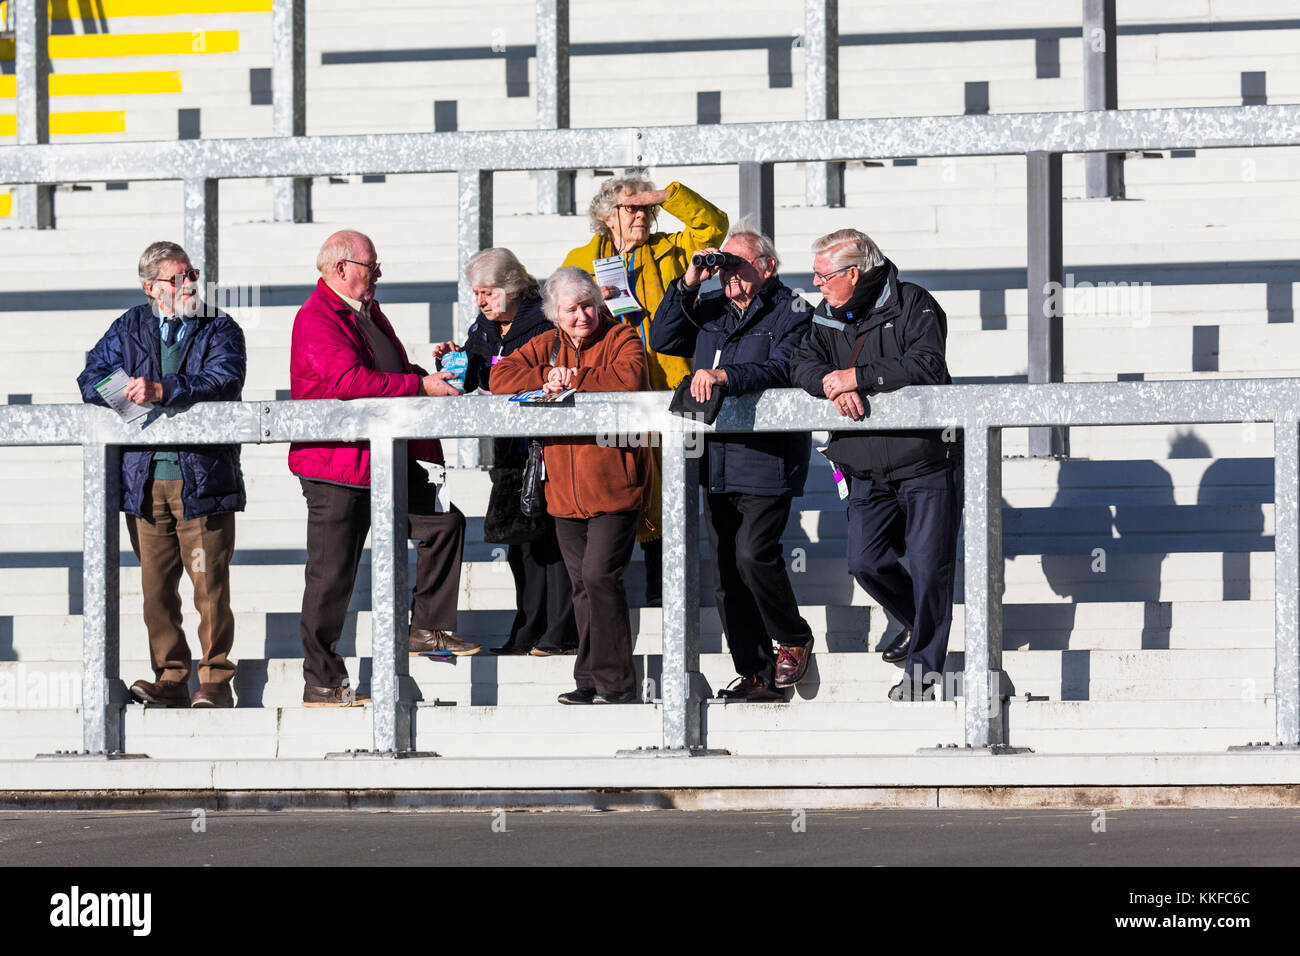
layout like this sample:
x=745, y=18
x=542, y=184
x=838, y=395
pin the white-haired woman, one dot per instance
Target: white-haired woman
x=510, y=314
x=622, y=215
x=596, y=493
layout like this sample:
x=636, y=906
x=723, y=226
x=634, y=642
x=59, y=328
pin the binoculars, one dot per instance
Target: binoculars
x=716, y=260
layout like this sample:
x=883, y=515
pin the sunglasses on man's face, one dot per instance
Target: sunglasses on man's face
x=192, y=275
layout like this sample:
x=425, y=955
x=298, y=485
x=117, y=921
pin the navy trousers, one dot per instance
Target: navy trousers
x=917, y=517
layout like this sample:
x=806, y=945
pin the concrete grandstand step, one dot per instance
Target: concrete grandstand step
x=1118, y=726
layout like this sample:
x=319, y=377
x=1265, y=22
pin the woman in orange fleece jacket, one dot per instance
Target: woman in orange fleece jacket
x=596, y=493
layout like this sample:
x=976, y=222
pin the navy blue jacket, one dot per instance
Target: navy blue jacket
x=212, y=368
x=755, y=351
x=906, y=344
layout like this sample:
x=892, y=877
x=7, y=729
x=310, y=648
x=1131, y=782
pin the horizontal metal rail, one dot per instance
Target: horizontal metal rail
x=1002, y=134
x=976, y=413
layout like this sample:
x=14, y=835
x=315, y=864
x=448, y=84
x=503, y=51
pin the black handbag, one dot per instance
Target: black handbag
x=532, y=496
x=505, y=521
x=685, y=405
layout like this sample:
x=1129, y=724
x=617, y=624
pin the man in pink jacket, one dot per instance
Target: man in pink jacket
x=344, y=347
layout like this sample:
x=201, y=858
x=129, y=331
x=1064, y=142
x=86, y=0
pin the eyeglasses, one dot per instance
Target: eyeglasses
x=374, y=268
x=191, y=275
x=827, y=276
x=633, y=210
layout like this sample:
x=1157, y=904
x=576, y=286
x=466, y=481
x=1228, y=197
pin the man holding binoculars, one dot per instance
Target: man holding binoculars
x=743, y=339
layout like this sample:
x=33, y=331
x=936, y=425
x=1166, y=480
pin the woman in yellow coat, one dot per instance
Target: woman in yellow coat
x=622, y=216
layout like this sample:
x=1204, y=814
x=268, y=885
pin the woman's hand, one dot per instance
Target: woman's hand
x=560, y=378
x=441, y=349
x=651, y=197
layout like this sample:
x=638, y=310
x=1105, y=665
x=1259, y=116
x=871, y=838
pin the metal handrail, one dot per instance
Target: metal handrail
x=978, y=413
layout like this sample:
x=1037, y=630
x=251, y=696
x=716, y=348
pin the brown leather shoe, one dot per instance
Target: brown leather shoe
x=313, y=696
x=751, y=689
x=213, y=695
x=163, y=693
x=423, y=641
x=792, y=663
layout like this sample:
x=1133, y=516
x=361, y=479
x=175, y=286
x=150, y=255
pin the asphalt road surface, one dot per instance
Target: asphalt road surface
x=881, y=837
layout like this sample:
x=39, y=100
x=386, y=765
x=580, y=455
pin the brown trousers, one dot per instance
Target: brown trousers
x=165, y=542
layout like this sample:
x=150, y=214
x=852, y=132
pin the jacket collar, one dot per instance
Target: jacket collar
x=874, y=302
x=528, y=316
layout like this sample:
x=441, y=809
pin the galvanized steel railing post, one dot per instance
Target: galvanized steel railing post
x=682, y=717
x=201, y=227
x=823, y=182
x=292, y=197
x=982, y=679
x=554, y=186
x=475, y=233
x=757, y=196
x=102, y=691
x=390, y=596
x=1104, y=172
x=32, y=80
x=1286, y=575
x=1045, y=291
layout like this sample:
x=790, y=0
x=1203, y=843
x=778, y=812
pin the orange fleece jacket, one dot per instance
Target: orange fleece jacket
x=583, y=478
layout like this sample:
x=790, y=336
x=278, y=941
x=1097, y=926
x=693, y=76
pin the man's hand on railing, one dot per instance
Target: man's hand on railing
x=850, y=405
x=835, y=384
x=436, y=384
x=143, y=392
x=703, y=381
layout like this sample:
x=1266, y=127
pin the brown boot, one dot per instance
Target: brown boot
x=163, y=693
x=213, y=695
x=423, y=641
x=313, y=696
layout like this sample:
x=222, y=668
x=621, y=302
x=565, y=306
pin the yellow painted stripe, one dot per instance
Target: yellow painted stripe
x=135, y=44
x=73, y=124
x=101, y=84
x=107, y=9
x=79, y=9
x=6, y=201
x=144, y=44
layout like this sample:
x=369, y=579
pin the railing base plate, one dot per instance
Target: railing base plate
x=959, y=750
x=672, y=752
x=87, y=755
x=380, y=754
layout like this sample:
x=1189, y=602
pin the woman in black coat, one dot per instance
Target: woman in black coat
x=510, y=313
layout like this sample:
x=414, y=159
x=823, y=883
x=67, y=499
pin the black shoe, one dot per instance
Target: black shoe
x=579, y=695
x=907, y=690
x=898, y=647
x=752, y=689
x=615, y=697
x=508, y=649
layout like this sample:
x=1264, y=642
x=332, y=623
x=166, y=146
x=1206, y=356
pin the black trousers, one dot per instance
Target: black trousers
x=918, y=517
x=543, y=596
x=755, y=600
x=338, y=518
x=597, y=552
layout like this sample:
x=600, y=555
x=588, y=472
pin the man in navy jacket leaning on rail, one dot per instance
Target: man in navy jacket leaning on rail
x=873, y=333
x=180, y=502
x=743, y=338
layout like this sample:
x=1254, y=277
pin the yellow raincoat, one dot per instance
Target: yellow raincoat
x=706, y=225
